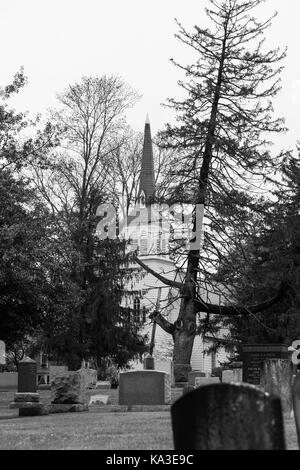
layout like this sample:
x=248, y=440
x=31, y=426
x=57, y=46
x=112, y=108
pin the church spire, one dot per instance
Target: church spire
x=147, y=180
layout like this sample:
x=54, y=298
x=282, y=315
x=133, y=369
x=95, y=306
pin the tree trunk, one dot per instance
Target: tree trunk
x=183, y=337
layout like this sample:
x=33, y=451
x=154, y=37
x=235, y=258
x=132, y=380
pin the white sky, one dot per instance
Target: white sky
x=59, y=41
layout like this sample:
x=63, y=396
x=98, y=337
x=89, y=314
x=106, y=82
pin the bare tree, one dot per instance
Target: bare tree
x=222, y=145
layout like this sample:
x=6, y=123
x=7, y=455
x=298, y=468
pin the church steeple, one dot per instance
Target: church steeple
x=147, y=180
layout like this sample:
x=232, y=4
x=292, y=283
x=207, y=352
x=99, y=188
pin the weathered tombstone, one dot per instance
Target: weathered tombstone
x=254, y=356
x=27, y=399
x=55, y=371
x=2, y=353
x=277, y=378
x=227, y=376
x=296, y=404
x=232, y=376
x=147, y=387
x=68, y=393
x=99, y=400
x=193, y=375
x=90, y=376
x=166, y=365
x=228, y=417
x=103, y=385
x=27, y=372
x=201, y=381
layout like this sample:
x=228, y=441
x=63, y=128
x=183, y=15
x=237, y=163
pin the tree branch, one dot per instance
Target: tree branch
x=164, y=280
x=162, y=322
x=236, y=310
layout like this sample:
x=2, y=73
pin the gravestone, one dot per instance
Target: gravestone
x=277, y=378
x=69, y=389
x=90, y=377
x=99, y=400
x=103, y=385
x=232, y=376
x=147, y=387
x=69, y=393
x=193, y=375
x=227, y=417
x=55, y=371
x=201, y=381
x=254, y=356
x=166, y=365
x=27, y=400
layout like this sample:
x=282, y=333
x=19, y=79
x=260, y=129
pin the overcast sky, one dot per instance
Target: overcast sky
x=59, y=41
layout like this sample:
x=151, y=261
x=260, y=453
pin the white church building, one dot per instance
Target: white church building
x=145, y=293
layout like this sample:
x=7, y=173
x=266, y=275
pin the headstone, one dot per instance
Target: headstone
x=166, y=365
x=2, y=353
x=193, y=375
x=254, y=356
x=99, y=400
x=90, y=376
x=277, y=378
x=147, y=387
x=227, y=376
x=27, y=373
x=26, y=399
x=232, y=376
x=103, y=385
x=69, y=389
x=228, y=417
x=55, y=371
x=8, y=380
x=201, y=381
x=148, y=362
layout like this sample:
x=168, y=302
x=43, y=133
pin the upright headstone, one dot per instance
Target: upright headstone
x=27, y=376
x=27, y=399
x=69, y=393
x=193, y=375
x=277, y=378
x=228, y=417
x=147, y=387
x=166, y=365
x=254, y=356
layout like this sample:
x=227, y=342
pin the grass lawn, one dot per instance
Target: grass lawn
x=95, y=429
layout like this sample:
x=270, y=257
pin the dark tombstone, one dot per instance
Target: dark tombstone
x=27, y=376
x=27, y=400
x=228, y=417
x=254, y=356
x=296, y=404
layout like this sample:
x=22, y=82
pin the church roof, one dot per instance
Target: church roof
x=147, y=179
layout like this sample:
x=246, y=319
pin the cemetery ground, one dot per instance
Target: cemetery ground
x=96, y=429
